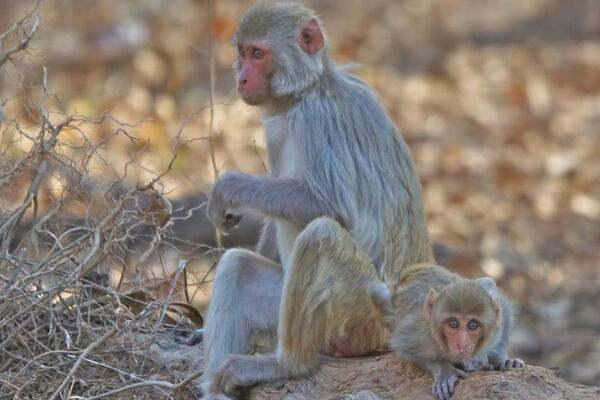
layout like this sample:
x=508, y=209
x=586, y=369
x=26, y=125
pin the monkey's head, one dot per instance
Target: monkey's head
x=281, y=52
x=463, y=317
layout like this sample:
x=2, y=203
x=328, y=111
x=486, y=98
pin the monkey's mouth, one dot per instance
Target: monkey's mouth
x=460, y=356
x=252, y=99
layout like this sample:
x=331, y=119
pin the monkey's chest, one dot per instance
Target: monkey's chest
x=286, y=235
x=286, y=162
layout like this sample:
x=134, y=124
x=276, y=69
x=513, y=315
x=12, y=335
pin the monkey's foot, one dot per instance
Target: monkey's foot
x=216, y=397
x=239, y=371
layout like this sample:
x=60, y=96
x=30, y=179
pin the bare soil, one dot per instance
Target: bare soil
x=386, y=377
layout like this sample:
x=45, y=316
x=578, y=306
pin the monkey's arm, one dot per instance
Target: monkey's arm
x=267, y=243
x=285, y=198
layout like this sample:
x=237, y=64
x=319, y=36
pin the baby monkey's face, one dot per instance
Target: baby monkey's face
x=461, y=335
x=463, y=317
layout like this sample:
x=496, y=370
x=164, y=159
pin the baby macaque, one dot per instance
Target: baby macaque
x=450, y=325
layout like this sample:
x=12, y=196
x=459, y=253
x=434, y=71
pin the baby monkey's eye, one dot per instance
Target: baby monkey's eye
x=473, y=324
x=453, y=323
x=257, y=53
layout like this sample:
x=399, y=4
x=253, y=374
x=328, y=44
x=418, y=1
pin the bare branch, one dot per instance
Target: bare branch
x=91, y=347
x=23, y=43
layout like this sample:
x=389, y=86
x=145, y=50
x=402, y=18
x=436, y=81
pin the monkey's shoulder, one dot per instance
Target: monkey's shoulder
x=341, y=94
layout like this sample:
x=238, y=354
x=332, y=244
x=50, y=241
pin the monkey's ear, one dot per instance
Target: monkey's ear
x=489, y=285
x=432, y=298
x=311, y=38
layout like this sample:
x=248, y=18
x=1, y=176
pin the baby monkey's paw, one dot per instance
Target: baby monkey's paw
x=504, y=364
x=473, y=365
x=445, y=381
x=510, y=363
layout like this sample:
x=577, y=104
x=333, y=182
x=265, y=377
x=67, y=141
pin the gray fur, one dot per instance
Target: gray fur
x=267, y=243
x=489, y=285
x=497, y=352
x=244, y=305
x=333, y=153
x=323, y=252
x=413, y=337
x=353, y=165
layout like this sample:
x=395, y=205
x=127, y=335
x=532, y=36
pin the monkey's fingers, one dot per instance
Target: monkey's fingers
x=513, y=363
x=518, y=363
x=440, y=391
x=195, y=337
x=444, y=388
x=218, y=381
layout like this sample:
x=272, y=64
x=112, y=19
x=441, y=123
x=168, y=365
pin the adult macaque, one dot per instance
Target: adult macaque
x=337, y=160
x=450, y=325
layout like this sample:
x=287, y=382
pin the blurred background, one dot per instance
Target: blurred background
x=499, y=101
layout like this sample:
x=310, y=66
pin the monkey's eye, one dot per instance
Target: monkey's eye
x=453, y=323
x=257, y=53
x=473, y=324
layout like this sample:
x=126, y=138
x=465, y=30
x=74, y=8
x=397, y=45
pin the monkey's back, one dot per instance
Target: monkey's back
x=359, y=165
x=415, y=282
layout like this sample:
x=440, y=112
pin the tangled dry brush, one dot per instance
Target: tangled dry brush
x=65, y=332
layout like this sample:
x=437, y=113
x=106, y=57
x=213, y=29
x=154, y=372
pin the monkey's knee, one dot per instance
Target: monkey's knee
x=322, y=232
x=232, y=265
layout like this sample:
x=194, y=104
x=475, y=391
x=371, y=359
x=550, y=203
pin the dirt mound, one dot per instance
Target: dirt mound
x=385, y=377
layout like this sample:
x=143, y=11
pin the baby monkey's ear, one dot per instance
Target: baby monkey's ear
x=432, y=298
x=489, y=285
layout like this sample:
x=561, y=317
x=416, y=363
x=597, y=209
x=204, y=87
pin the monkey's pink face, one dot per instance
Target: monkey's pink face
x=461, y=334
x=255, y=67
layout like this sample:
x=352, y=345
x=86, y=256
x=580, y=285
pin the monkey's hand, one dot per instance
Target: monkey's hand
x=504, y=363
x=445, y=378
x=476, y=364
x=221, y=202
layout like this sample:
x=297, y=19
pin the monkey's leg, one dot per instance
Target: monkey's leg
x=326, y=306
x=266, y=247
x=245, y=304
